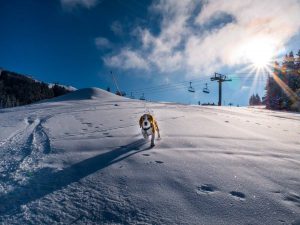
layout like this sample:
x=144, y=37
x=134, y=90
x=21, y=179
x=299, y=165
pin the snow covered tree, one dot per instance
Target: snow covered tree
x=289, y=75
x=17, y=89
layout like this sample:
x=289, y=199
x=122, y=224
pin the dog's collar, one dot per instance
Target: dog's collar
x=146, y=128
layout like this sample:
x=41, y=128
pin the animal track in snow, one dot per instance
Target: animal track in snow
x=88, y=124
x=206, y=189
x=294, y=198
x=238, y=194
x=107, y=134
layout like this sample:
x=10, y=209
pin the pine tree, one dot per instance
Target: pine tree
x=251, y=100
x=291, y=62
x=297, y=63
x=257, y=100
x=289, y=73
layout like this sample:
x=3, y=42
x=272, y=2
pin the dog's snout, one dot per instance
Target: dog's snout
x=145, y=123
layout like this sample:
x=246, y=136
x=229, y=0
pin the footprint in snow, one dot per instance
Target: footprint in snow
x=159, y=162
x=294, y=198
x=226, y=121
x=146, y=155
x=238, y=195
x=206, y=189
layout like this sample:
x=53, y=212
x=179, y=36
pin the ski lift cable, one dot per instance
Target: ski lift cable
x=157, y=87
x=178, y=86
x=173, y=87
x=180, y=82
x=232, y=76
x=168, y=85
x=183, y=84
x=165, y=89
x=161, y=88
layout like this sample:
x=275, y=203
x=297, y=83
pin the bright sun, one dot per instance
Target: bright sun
x=259, y=52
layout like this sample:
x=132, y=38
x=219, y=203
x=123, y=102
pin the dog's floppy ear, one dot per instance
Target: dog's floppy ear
x=141, y=120
x=151, y=118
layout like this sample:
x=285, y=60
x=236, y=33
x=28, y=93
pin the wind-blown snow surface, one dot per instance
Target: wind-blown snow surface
x=80, y=159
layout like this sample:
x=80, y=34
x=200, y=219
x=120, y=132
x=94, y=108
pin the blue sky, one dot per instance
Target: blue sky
x=161, y=44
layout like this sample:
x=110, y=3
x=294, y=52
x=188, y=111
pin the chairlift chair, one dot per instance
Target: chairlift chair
x=191, y=89
x=205, y=89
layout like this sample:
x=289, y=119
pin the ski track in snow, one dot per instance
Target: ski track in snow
x=22, y=151
x=83, y=162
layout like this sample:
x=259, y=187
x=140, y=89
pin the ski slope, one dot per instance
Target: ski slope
x=81, y=159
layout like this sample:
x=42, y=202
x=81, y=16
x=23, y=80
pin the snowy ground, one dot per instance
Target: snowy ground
x=81, y=159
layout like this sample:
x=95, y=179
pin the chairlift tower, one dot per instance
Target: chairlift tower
x=115, y=82
x=220, y=78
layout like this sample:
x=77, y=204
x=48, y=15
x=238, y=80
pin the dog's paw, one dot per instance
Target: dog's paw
x=152, y=145
x=146, y=137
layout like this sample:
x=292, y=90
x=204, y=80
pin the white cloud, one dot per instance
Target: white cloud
x=102, y=43
x=126, y=59
x=245, y=88
x=275, y=21
x=70, y=4
x=117, y=28
x=187, y=42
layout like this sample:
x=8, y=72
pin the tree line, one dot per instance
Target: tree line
x=17, y=90
x=255, y=100
x=283, y=86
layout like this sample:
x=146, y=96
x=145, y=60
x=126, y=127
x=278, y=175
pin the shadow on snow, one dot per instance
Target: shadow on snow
x=45, y=181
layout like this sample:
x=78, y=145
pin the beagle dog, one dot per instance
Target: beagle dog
x=149, y=127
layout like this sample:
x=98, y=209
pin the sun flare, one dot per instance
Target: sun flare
x=259, y=52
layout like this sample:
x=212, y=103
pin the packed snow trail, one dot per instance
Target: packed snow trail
x=81, y=159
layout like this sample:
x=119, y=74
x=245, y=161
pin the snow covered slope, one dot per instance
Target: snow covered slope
x=81, y=159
